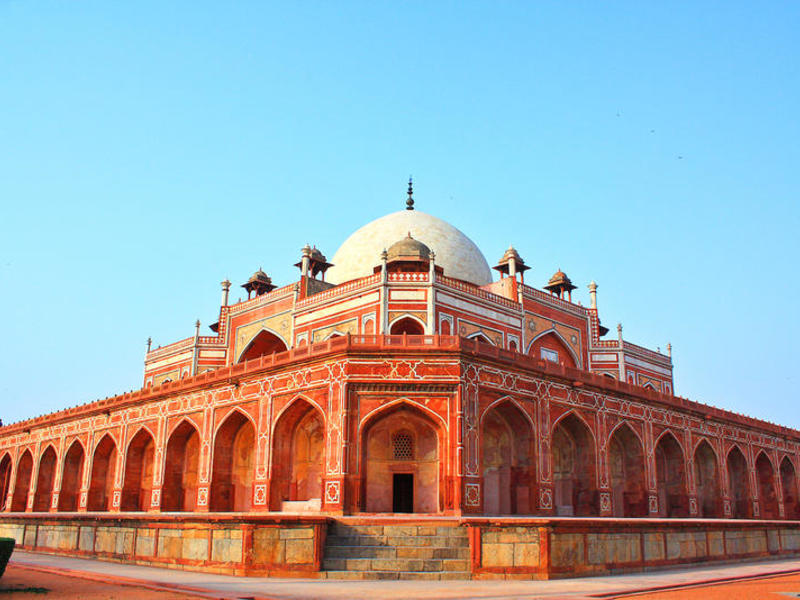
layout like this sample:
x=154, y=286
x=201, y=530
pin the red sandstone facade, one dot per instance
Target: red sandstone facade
x=405, y=390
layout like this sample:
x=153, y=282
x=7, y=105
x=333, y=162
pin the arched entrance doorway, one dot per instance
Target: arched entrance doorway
x=507, y=456
x=43, y=495
x=5, y=479
x=232, y=470
x=138, y=486
x=738, y=485
x=298, y=456
x=104, y=468
x=626, y=466
x=400, y=461
x=265, y=342
x=574, y=470
x=71, y=478
x=407, y=326
x=767, y=494
x=791, y=507
x=706, y=477
x=179, y=492
x=671, y=478
x=23, y=484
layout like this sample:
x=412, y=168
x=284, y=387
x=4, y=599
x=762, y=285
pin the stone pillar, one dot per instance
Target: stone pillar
x=261, y=489
x=333, y=481
x=226, y=288
x=159, y=458
x=651, y=473
x=593, y=295
x=544, y=484
x=204, y=468
x=34, y=477
x=603, y=475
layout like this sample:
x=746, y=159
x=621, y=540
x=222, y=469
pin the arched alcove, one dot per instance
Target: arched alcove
x=23, y=484
x=738, y=485
x=551, y=347
x=138, y=485
x=506, y=456
x=673, y=500
x=104, y=467
x=298, y=455
x=5, y=479
x=706, y=477
x=179, y=491
x=265, y=342
x=400, y=461
x=43, y=495
x=407, y=326
x=71, y=478
x=574, y=471
x=791, y=507
x=232, y=469
x=767, y=492
x=626, y=467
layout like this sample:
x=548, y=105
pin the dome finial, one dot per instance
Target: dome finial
x=410, y=201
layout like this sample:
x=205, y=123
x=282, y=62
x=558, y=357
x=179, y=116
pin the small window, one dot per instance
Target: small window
x=402, y=446
x=551, y=355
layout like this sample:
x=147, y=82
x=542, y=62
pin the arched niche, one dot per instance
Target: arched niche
x=551, y=347
x=767, y=491
x=5, y=479
x=22, y=486
x=104, y=467
x=791, y=506
x=706, y=477
x=71, y=478
x=265, y=342
x=627, y=476
x=574, y=468
x=407, y=326
x=179, y=491
x=673, y=500
x=43, y=495
x=401, y=449
x=138, y=485
x=507, y=456
x=298, y=455
x=738, y=485
x=233, y=465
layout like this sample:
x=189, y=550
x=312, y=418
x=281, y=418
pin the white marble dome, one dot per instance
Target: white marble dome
x=455, y=252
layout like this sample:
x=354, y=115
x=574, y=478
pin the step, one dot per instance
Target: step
x=342, y=529
x=399, y=540
x=402, y=565
x=398, y=575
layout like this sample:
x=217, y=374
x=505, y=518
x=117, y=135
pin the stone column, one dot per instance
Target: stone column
x=603, y=475
x=204, y=468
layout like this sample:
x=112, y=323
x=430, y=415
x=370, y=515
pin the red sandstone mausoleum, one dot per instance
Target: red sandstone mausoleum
x=400, y=377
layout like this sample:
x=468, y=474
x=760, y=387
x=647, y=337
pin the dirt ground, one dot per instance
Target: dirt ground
x=20, y=583
x=768, y=588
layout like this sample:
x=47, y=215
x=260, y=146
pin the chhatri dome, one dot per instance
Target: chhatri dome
x=455, y=252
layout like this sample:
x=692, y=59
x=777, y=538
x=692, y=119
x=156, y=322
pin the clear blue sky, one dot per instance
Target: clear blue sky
x=152, y=149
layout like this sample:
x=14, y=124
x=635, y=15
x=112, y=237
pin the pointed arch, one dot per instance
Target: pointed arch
x=627, y=472
x=673, y=500
x=43, y=494
x=266, y=341
x=182, y=461
x=104, y=468
x=507, y=458
x=137, y=486
x=71, y=478
x=707, y=480
x=544, y=344
x=22, y=485
x=298, y=454
x=383, y=459
x=767, y=490
x=739, y=484
x=574, y=467
x=233, y=463
x=479, y=336
x=5, y=479
x=408, y=325
x=791, y=507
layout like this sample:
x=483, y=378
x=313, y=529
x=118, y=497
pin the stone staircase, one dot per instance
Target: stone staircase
x=439, y=550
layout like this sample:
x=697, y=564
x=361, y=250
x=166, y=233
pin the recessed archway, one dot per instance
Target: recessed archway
x=43, y=495
x=574, y=470
x=179, y=491
x=104, y=468
x=23, y=484
x=71, y=478
x=767, y=493
x=738, y=485
x=671, y=478
x=5, y=479
x=407, y=326
x=706, y=477
x=232, y=470
x=400, y=462
x=626, y=466
x=138, y=485
x=507, y=459
x=265, y=342
x=298, y=456
x=791, y=507
x=551, y=347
